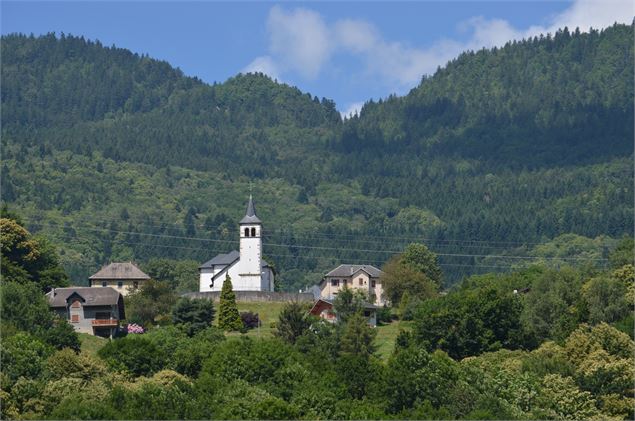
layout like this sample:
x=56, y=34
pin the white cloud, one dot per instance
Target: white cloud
x=263, y=64
x=355, y=35
x=597, y=14
x=301, y=41
x=352, y=109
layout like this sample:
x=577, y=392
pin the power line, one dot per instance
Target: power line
x=285, y=230
x=379, y=262
x=345, y=248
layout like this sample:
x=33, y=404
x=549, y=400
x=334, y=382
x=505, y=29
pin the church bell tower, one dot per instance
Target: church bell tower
x=251, y=244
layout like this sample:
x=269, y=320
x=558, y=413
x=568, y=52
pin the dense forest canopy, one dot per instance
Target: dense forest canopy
x=119, y=156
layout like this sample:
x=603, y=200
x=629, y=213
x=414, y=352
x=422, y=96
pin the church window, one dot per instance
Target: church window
x=246, y=232
x=253, y=232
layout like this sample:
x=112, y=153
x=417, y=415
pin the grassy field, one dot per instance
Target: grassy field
x=268, y=313
x=386, y=336
x=91, y=344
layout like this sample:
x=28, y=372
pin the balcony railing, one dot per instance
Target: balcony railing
x=105, y=322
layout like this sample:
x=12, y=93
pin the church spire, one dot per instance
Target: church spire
x=250, y=215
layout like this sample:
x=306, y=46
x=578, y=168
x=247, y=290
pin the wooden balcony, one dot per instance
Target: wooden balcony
x=105, y=322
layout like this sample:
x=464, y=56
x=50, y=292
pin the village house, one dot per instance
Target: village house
x=96, y=311
x=246, y=268
x=366, y=278
x=324, y=310
x=125, y=277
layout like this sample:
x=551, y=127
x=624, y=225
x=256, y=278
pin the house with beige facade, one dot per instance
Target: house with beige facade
x=96, y=311
x=124, y=277
x=366, y=278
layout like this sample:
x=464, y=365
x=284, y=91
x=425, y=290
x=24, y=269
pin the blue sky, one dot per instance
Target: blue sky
x=346, y=51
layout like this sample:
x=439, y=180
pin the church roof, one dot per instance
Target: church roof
x=350, y=270
x=126, y=270
x=222, y=260
x=250, y=215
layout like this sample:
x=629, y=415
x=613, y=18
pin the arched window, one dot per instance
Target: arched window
x=253, y=232
x=246, y=232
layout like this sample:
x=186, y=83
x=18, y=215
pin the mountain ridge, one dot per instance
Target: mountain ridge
x=431, y=164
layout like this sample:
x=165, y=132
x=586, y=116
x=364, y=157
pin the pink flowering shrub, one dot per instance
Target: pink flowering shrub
x=135, y=328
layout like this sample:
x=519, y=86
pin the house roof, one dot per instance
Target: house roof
x=250, y=216
x=221, y=260
x=98, y=296
x=345, y=271
x=329, y=303
x=126, y=270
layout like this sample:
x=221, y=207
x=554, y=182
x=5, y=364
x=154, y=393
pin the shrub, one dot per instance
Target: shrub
x=250, y=319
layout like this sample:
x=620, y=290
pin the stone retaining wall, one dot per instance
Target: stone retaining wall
x=256, y=296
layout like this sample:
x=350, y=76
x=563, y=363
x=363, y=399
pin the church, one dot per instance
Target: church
x=247, y=270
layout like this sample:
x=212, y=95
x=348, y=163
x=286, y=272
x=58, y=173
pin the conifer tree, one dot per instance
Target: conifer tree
x=228, y=316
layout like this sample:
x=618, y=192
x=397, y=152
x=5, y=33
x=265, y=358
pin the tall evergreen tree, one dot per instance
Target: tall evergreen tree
x=228, y=316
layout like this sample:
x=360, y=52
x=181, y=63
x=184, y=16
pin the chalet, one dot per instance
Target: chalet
x=124, y=277
x=356, y=277
x=324, y=309
x=96, y=311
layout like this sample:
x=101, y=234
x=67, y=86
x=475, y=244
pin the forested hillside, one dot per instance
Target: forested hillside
x=118, y=156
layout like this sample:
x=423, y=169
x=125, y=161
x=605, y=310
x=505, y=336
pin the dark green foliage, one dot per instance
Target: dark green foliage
x=293, y=322
x=228, y=316
x=348, y=303
x=554, y=307
x=250, y=319
x=134, y=354
x=446, y=162
x=195, y=314
x=151, y=304
x=421, y=259
x=181, y=275
x=27, y=259
x=357, y=336
x=470, y=322
x=165, y=397
x=25, y=308
x=24, y=355
x=83, y=408
x=414, y=376
x=406, y=281
x=384, y=315
x=624, y=253
x=62, y=335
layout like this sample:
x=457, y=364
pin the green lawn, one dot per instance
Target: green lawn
x=386, y=336
x=267, y=312
x=91, y=344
